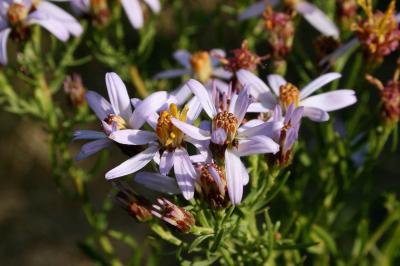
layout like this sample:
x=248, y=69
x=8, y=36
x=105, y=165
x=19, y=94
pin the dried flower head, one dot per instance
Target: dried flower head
x=280, y=32
x=74, y=89
x=242, y=58
x=174, y=215
x=390, y=96
x=378, y=32
x=136, y=206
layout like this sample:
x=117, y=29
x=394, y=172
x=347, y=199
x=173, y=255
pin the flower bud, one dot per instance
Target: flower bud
x=173, y=215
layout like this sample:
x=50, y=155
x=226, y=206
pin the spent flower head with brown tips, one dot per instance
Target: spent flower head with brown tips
x=379, y=32
x=242, y=58
x=280, y=32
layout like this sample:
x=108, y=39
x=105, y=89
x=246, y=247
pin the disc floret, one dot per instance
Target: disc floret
x=169, y=135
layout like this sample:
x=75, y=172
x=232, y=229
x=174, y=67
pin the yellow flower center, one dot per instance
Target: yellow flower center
x=201, y=65
x=228, y=122
x=119, y=121
x=169, y=135
x=289, y=94
x=17, y=13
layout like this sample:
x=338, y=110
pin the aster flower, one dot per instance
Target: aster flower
x=16, y=17
x=99, y=10
x=116, y=115
x=201, y=65
x=310, y=12
x=284, y=93
x=228, y=140
x=167, y=139
x=288, y=134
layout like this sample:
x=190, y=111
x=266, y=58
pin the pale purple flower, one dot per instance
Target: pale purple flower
x=318, y=19
x=228, y=140
x=132, y=9
x=284, y=93
x=115, y=115
x=158, y=182
x=167, y=139
x=18, y=15
x=288, y=134
x=202, y=65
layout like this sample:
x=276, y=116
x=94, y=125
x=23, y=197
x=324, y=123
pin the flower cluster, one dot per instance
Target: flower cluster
x=206, y=158
x=17, y=17
x=242, y=58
